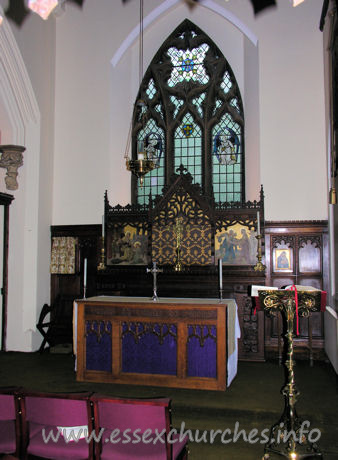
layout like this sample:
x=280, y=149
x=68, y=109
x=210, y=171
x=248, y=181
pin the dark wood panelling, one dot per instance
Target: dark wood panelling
x=308, y=243
x=259, y=335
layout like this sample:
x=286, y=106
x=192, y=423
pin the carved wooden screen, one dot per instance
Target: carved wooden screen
x=191, y=114
x=138, y=234
x=195, y=233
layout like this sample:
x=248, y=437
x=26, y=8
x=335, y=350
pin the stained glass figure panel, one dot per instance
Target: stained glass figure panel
x=227, y=159
x=152, y=138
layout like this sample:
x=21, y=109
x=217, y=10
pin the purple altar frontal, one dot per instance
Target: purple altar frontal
x=187, y=343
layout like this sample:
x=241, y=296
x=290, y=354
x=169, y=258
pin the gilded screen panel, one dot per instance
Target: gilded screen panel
x=195, y=244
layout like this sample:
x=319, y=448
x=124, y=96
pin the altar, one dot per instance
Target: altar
x=172, y=342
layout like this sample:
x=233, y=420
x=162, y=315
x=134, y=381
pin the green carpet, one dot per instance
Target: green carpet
x=253, y=401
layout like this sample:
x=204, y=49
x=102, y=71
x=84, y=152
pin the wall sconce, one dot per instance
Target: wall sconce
x=333, y=195
x=11, y=159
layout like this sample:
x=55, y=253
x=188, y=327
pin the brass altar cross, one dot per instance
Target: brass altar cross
x=154, y=272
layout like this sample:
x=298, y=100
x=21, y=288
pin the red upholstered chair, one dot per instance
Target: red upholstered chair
x=129, y=429
x=10, y=426
x=55, y=426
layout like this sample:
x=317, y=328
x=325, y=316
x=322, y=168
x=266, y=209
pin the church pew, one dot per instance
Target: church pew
x=30, y=417
x=54, y=426
x=128, y=428
x=10, y=422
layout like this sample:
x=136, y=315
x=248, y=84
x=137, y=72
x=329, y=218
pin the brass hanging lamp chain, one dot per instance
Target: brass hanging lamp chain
x=126, y=154
x=141, y=44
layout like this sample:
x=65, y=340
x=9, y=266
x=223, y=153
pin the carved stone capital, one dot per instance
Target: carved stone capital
x=11, y=159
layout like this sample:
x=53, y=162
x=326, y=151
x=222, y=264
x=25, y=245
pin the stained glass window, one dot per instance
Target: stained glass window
x=192, y=115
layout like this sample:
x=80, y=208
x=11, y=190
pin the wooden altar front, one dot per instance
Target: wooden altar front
x=183, y=343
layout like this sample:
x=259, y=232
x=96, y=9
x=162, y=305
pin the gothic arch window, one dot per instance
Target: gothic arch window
x=190, y=112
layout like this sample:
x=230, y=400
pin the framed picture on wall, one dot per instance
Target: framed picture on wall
x=282, y=260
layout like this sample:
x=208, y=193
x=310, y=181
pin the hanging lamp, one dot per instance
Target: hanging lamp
x=141, y=165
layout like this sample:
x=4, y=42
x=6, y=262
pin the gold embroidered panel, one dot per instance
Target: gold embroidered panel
x=63, y=255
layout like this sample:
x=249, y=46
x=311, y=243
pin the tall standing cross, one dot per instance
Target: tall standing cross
x=154, y=272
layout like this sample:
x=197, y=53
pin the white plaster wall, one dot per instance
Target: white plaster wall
x=331, y=336
x=29, y=103
x=292, y=112
x=283, y=96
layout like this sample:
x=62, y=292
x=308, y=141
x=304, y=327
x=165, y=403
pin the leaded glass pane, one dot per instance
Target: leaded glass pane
x=188, y=147
x=226, y=83
x=188, y=65
x=158, y=109
x=218, y=104
x=178, y=104
x=197, y=101
x=234, y=103
x=151, y=90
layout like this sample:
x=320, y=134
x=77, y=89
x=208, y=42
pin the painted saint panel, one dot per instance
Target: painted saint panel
x=237, y=245
x=127, y=245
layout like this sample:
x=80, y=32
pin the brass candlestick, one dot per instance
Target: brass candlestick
x=289, y=437
x=102, y=264
x=178, y=229
x=259, y=266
